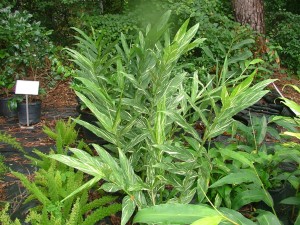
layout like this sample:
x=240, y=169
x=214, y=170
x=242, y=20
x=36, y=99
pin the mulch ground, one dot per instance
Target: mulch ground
x=59, y=103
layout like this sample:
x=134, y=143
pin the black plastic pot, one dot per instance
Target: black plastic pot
x=4, y=108
x=89, y=136
x=284, y=212
x=34, y=109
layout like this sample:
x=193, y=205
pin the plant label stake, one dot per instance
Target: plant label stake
x=26, y=87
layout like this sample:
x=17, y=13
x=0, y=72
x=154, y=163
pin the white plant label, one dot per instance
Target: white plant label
x=27, y=87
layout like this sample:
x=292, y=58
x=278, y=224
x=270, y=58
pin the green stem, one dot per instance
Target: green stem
x=265, y=191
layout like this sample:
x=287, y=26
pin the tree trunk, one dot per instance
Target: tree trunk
x=250, y=12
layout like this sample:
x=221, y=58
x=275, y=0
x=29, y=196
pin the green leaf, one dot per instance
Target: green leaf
x=87, y=185
x=176, y=117
x=256, y=61
x=236, y=217
x=292, y=134
x=240, y=57
x=292, y=105
x=242, y=43
x=250, y=196
x=212, y=220
x=128, y=207
x=243, y=86
x=208, y=52
x=116, y=172
x=174, y=214
x=239, y=177
x=131, y=180
x=89, y=165
x=239, y=156
x=267, y=218
x=293, y=86
x=262, y=131
x=177, y=152
x=110, y=187
x=291, y=201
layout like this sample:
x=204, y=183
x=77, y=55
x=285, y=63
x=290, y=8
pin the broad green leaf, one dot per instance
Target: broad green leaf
x=293, y=86
x=208, y=52
x=239, y=156
x=291, y=201
x=131, y=180
x=262, y=131
x=239, y=177
x=98, y=131
x=171, y=167
x=292, y=134
x=250, y=196
x=128, y=207
x=292, y=105
x=181, y=32
x=242, y=43
x=256, y=61
x=243, y=86
x=267, y=218
x=104, y=119
x=211, y=220
x=110, y=187
x=116, y=175
x=92, y=166
x=174, y=214
x=177, y=152
x=240, y=57
x=177, y=118
x=235, y=217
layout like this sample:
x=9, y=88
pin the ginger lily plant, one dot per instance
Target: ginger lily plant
x=155, y=155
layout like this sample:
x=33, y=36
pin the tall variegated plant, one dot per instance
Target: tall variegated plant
x=155, y=155
x=130, y=105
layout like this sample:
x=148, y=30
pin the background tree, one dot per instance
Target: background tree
x=250, y=12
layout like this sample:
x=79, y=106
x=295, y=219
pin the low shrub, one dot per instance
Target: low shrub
x=286, y=32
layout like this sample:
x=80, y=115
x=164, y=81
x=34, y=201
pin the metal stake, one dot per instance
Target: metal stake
x=27, y=111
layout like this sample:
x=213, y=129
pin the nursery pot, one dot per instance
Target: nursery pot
x=4, y=108
x=88, y=117
x=284, y=212
x=34, y=112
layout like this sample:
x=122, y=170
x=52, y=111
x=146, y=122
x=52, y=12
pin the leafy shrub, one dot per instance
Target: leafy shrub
x=286, y=32
x=111, y=25
x=24, y=45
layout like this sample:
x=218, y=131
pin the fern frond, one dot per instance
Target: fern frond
x=5, y=218
x=34, y=218
x=41, y=161
x=98, y=202
x=10, y=140
x=101, y=213
x=75, y=216
x=32, y=188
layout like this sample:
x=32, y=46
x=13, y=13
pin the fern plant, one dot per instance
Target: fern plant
x=5, y=218
x=54, y=181
x=64, y=131
x=12, y=141
x=51, y=188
